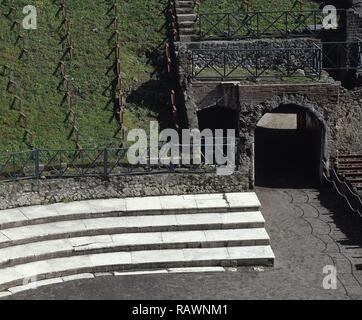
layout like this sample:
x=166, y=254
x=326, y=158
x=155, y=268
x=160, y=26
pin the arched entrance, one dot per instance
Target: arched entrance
x=289, y=147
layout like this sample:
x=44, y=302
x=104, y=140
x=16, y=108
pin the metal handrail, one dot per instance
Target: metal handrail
x=225, y=63
x=250, y=24
x=340, y=184
x=104, y=163
x=271, y=11
x=352, y=49
x=256, y=63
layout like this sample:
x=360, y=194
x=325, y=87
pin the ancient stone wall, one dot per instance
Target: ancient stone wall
x=354, y=24
x=273, y=56
x=187, y=104
x=27, y=193
x=349, y=124
x=339, y=110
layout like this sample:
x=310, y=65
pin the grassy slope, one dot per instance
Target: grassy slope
x=142, y=31
x=270, y=18
x=254, y=5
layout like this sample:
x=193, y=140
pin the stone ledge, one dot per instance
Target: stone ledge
x=28, y=193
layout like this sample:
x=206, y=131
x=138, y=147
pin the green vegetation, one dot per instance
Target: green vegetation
x=32, y=108
x=255, y=5
x=275, y=18
x=42, y=120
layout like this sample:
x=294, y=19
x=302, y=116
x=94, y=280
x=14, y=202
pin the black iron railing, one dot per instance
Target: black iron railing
x=223, y=26
x=342, y=55
x=253, y=64
x=344, y=190
x=102, y=163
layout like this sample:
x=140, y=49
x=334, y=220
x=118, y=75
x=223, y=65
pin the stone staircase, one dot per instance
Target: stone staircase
x=132, y=234
x=186, y=20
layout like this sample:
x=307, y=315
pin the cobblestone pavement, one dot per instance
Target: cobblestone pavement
x=309, y=229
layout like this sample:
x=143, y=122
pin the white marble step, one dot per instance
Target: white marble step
x=120, y=261
x=131, y=242
x=82, y=276
x=130, y=224
x=244, y=201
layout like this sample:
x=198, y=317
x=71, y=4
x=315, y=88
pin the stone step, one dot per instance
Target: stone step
x=187, y=17
x=82, y=276
x=184, y=10
x=185, y=7
x=189, y=38
x=138, y=260
x=187, y=31
x=131, y=242
x=186, y=24
x=201, y=203
x=185, y=4
x=149, y=233
x=131, y=224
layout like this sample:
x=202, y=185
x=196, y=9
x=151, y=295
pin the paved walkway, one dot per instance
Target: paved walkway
x=309, y=230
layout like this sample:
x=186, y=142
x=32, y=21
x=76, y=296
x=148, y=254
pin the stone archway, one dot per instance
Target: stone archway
x=285, y=152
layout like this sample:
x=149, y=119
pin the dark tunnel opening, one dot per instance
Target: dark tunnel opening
x=218, y=118
x=289, y=148
x=215, y=118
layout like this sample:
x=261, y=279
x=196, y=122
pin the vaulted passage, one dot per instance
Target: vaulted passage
x=289, y=144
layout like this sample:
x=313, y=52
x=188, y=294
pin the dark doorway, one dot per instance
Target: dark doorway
x=218, y=118
x=289, y=144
